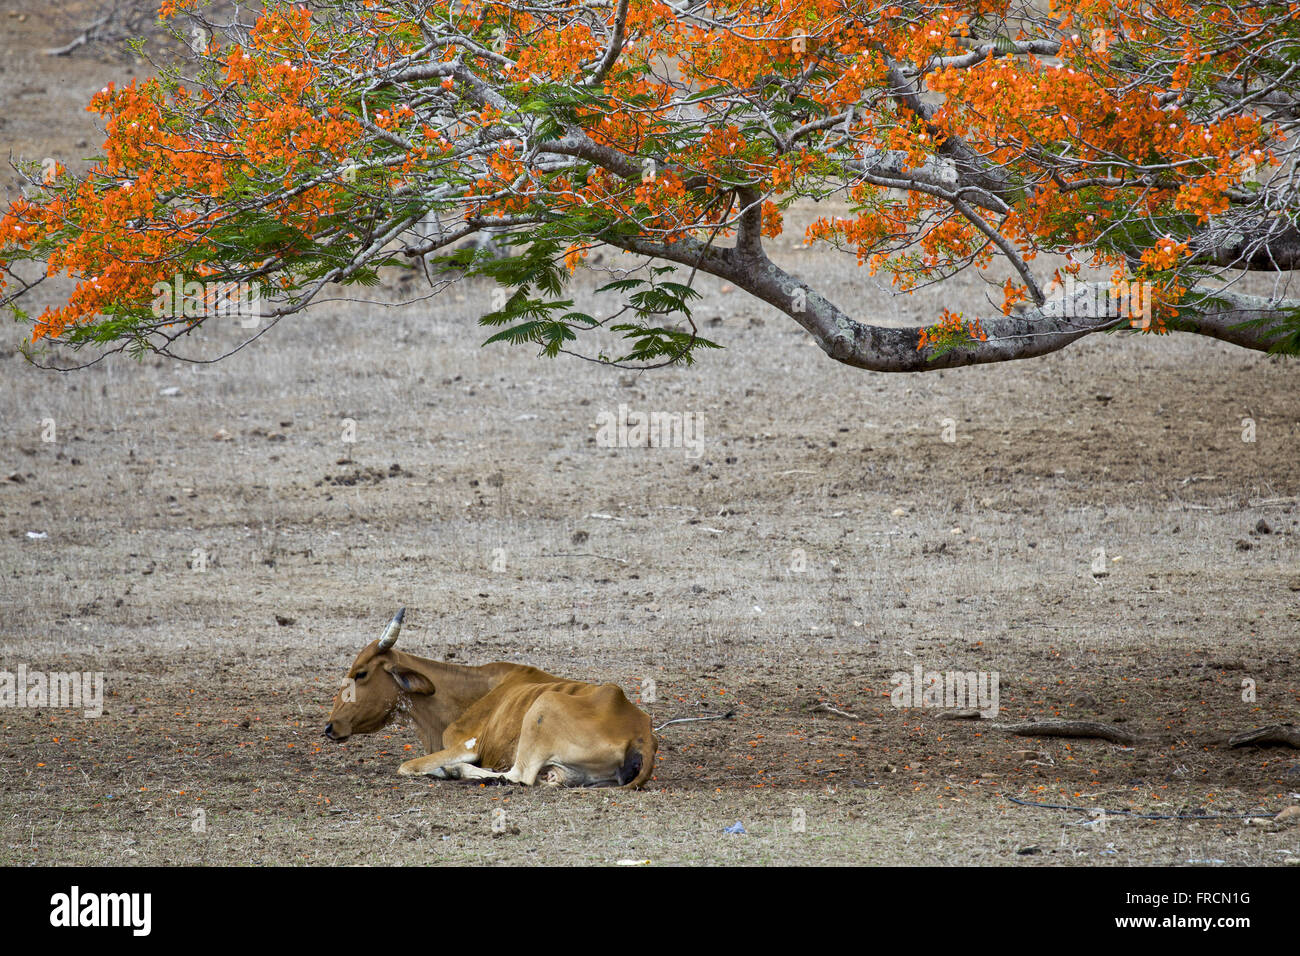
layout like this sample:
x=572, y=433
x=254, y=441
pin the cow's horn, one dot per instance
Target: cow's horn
x=390, y=633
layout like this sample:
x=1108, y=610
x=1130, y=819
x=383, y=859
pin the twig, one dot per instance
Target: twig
x=684, y=720
x=835, y=710
x=584, y=554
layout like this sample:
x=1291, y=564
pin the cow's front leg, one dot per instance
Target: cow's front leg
x=469, y=771
x=443, y=764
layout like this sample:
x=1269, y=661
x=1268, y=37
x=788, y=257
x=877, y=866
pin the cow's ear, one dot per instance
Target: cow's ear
x=413, y=682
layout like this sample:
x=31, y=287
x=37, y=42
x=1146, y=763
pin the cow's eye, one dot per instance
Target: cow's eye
x=360, y=675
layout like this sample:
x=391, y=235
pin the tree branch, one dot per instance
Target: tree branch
x=613, y=50
x=1026, y=333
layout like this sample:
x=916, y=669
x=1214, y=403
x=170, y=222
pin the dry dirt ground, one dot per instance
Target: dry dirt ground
x=220, y=553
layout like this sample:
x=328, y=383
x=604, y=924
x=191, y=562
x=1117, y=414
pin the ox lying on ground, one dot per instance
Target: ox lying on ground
x=500, y=721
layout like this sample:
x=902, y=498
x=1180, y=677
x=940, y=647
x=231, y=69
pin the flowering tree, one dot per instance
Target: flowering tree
x=1152, y=140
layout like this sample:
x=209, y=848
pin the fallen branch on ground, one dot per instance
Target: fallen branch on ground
x=959, y=715
x=1070, y=728
x=584, y=554
x=1285, y=734
x=1143, y=816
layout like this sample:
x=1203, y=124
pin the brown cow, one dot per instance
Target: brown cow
x=499, y=721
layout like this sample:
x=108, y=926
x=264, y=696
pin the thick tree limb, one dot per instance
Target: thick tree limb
x=1026, y=333
x=1258, y=252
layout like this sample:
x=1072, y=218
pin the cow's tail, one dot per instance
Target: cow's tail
x=639, y=761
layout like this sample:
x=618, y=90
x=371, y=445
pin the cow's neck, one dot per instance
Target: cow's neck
x=456, y=687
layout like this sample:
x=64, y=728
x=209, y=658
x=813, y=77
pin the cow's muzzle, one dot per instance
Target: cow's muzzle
x=329, y=732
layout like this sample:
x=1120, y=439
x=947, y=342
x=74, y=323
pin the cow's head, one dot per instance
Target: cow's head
x=376, y=687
